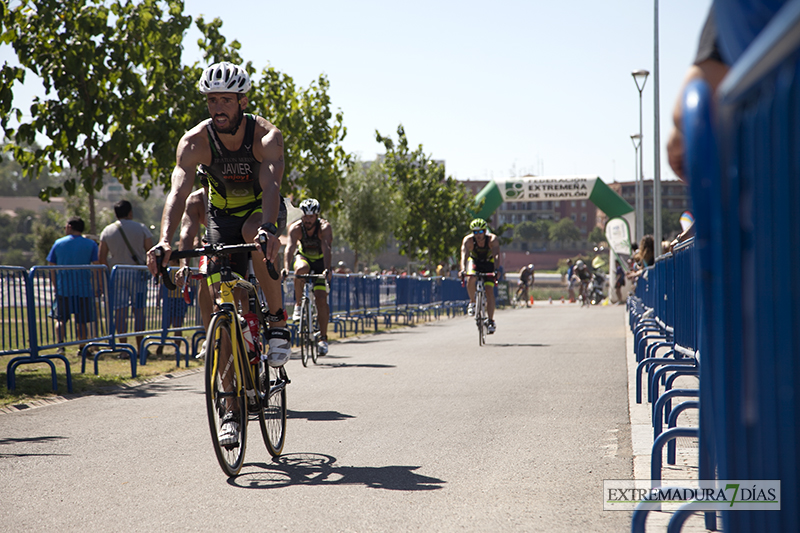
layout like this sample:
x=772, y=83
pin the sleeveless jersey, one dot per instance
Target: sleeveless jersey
x=481, y=254
x=233, y=186
x=311, y=245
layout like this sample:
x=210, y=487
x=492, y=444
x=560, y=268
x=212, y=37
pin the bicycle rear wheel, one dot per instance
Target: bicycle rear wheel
x=305, y=333
x=312, y=314
x=224, y=394
x=272, y=390
x=480, y=318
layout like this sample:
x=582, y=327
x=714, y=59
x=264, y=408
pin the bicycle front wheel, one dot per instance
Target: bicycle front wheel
x=312, y=320
x=305, y=333
x=225, y=398
x=272, y=385
x=480, y=318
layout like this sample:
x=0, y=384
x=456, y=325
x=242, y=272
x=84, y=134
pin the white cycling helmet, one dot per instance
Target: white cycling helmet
x=310, y=206
x=224, y=78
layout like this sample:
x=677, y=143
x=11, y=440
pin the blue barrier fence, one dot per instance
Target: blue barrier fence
x=358, y=301
x=48, y=309
x=743, y=161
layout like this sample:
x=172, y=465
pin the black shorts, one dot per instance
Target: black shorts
x=316, y=266
x=226, y=229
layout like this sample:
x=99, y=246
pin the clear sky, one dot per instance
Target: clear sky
x=495, y=89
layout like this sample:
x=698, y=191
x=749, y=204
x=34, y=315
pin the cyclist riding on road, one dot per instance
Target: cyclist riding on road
x=480, y=252
x=310, y=238
x=526, y=275
x=243, y=156
x=584, y=276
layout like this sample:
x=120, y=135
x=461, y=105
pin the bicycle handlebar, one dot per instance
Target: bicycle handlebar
x=313, y=276
x=210, y=250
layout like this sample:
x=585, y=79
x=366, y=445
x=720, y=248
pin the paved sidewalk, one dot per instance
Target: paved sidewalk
x=686, y=460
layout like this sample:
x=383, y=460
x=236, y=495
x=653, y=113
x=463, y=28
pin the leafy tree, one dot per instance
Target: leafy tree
x=367, y=211
x=565, y=230
x=109, y=69
x=597, y=235
x=315, y=159
x=525, y=231
x=505, y=233
x=48, y=227
x=435, y=209
x=12, y=182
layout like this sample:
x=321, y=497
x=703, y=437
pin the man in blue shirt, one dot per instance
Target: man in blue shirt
x=73, y=288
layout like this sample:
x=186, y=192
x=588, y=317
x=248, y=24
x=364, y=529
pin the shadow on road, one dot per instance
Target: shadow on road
x=317, y=416
x=11, y=441
x=516, y=345
x=318, y=469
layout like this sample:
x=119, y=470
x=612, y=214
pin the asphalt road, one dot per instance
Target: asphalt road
x=418, y=429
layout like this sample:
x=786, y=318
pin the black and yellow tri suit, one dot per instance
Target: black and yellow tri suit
x=310, y=251
x=234, y=192
x=481, y=258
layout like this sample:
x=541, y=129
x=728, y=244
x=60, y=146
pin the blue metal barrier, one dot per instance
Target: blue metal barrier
x=18, y=329
x=744, y=166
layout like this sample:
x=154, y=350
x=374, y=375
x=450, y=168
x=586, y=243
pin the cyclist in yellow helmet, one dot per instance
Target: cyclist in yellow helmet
x=480, y=252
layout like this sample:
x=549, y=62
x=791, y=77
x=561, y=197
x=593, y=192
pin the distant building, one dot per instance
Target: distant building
x=674, y=196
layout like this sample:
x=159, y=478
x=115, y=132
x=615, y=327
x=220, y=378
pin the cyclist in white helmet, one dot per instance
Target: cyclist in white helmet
x=243, y=157
x=310, y=239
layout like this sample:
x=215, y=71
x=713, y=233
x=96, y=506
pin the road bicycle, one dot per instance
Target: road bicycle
x=481, y=317
x=308, y=330
x=521, y=296
x=238, y=384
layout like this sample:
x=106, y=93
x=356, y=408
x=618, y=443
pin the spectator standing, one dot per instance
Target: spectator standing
x=619, y=282
x=125, y=242
x=570, y=282
x=74, y=294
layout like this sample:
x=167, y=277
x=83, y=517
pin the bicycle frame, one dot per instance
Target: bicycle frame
x=254, y=387
x=308, y=321
x=481, y=316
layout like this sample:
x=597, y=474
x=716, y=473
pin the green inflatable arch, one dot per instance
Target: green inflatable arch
x=553, y=188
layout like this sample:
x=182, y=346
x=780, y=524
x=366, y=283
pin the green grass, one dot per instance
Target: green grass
x=34, y=381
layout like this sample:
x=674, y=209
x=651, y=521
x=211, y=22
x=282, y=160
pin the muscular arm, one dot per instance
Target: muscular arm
x=270, y=152
x=192, y=150
x=103, y=253
x=193, y=217
x=326, y=237
x=466, y=248
x=291, y=248
x=496, y=251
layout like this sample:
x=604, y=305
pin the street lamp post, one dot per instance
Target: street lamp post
x=657, y=139
x=638, y=198
x=640, y=77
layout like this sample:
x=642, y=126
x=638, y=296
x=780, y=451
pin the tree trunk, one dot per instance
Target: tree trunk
x=92, y=215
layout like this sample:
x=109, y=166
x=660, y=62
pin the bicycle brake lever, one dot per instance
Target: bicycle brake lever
x=262, y=239
x=271, y=269
x=162, y=270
